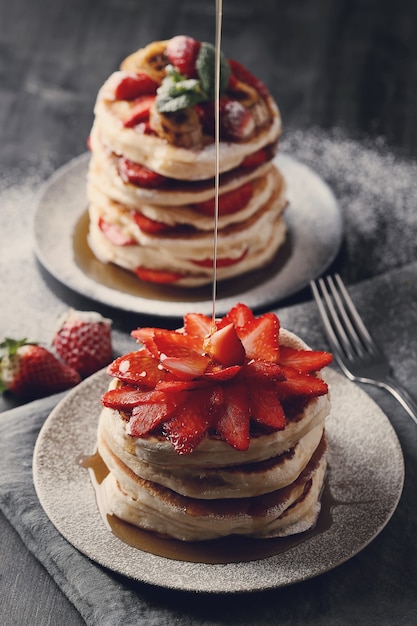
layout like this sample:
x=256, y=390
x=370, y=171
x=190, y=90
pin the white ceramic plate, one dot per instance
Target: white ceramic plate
x=363, y=496
x=60, y=230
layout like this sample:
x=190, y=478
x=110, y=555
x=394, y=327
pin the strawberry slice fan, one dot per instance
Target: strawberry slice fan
x=237, y=372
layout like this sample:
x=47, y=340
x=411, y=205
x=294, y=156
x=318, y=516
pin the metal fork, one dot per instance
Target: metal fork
x=359, y=357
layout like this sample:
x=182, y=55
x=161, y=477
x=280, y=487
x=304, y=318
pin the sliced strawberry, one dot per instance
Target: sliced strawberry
x=187, y=366
x=114, y=234
x=304, y=360
x=132, y=86
x=147, y=225
x=233, y=423
x=171, y=342
x=186, y=429
x=236, y=122
x=148, y=415
x=140, y=175
x=229, y=202
x=260, y=337
x=263, y=370
x=162, y=277
x=238, y=315
x=298, y=384
x=197, y=325
x=225, y=346
x=145, y=335
x=255, y=159
x=220, y=374
x=223, y=262
x=181, y=385
x=241, y=73
x=265, y=406
x=136, y=368
x=182, y=52
x=139, y=112
x=126, y=398
x=181, y=354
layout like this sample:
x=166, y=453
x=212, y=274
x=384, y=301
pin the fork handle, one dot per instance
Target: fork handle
x=401, y=395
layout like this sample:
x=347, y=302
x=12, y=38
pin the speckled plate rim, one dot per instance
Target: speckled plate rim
x=359, y=435
x=313, y=217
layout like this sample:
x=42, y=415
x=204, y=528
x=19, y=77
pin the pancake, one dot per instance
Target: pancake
x=293, y=509
x=151, y=187
x=269, y=488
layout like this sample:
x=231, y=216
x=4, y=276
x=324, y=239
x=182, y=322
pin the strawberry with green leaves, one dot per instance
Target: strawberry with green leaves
x=31, y=371
x=223, y=378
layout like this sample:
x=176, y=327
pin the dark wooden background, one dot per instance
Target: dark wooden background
x=350, y=64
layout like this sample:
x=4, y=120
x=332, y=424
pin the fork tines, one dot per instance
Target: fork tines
x=344, y=327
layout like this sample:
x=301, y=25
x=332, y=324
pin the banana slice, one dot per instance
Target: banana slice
x=182, y=128
x=151, y=60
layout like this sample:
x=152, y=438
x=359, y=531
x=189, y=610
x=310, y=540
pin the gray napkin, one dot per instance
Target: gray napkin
x=375, y=587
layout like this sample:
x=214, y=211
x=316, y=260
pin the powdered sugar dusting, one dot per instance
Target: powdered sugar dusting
x=377, y=191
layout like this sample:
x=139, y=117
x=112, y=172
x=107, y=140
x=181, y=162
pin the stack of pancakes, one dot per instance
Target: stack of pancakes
x=272, y=489
x=163, y=232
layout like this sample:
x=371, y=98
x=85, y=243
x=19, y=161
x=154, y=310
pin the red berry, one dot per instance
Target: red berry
x=140, y=175
x=147, y=225
x=180, y=354
x=239, y=315
x=83, y=341
x=182, y=52
x=225, y=346
x=255, y=159
x=132, y=86
x=114, y=234
x=233, y=423
x=300, y=384
x=197, y=325
x=229, y=202
x=139, y=111
x=265, y=406
x=136, y=368
x=240, y=72
x=305, y=361
x=31, y=371
x=236, y=122
x=162, y=277
x=260, y=337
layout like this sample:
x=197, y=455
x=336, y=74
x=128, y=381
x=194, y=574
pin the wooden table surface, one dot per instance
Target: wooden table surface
x=350, y=64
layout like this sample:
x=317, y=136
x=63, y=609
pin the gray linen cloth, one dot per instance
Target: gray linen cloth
x=378, y=586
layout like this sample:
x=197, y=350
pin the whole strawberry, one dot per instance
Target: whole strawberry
x=83, y=341
x=31, y=371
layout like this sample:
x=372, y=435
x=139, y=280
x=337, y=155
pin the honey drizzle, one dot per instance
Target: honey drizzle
x=219, y=15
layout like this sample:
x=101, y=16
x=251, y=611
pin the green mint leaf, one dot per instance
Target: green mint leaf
x=168, y=104
x=206, y=68
x=177, y=92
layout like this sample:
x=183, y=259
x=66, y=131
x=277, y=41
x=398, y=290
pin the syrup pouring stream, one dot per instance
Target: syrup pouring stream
x=219, y=8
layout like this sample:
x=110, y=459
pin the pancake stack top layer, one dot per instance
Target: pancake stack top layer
x=211, y=431
x=151, y=177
